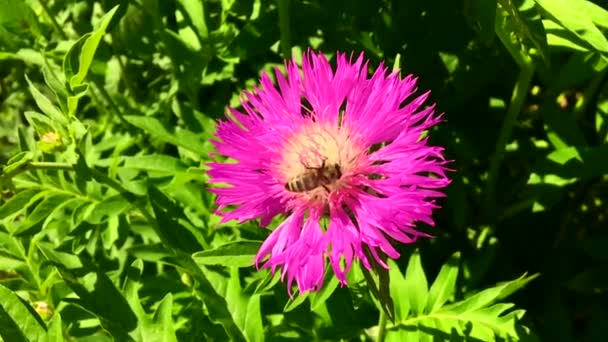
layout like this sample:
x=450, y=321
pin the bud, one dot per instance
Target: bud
x=43, y=309
x=51, y=142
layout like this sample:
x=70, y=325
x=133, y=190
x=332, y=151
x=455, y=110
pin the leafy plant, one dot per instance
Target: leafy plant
x=108, y=230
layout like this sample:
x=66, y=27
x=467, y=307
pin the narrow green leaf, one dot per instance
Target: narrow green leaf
x=398, y=291
x=317, y=299
x=416, y=284
x=489, y=296
x=89, y=47
x=23, y=316
x=67, y=260
x=254, y=328
x=444, y=286
x=19, y=160
x=43, y=124
x=155, y=163
x=380, y=289
x=21, y=201
x=570, y=14
x=42, y=211
x=151, y=252
x=196, y=13
x=153, y=328
x=294, y=303
x=107, y=208
x=182, y=138
x=235, y=298
x=163, y=321
x=598, y=15
x=10, y=331
x=171, y=232
x=45, y=104
x=268, y=282
x=70, y=59
x=216, y=304
x=55, y=332
x=98, y=295
x=238, y=254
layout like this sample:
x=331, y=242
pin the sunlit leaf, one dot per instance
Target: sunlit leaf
x=18, y=320
x=238, y=254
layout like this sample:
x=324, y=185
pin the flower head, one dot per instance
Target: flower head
x=341, y=154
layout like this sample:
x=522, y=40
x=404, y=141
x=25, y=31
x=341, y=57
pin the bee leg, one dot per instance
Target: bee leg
x=326, y=189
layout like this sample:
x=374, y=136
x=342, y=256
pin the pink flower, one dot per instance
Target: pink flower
x=341, y=154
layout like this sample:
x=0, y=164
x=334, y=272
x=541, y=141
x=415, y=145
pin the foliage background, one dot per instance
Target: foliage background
x=107, y=231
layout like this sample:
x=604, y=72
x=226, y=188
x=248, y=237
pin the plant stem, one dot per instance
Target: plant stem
x=284, y=28
x=53, y=21
x=517, y=101
x=382, y=320
x=51, y=166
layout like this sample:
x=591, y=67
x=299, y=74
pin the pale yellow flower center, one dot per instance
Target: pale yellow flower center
x=318, y=160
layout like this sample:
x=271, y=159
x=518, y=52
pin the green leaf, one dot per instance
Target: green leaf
x=156, y=327
x=294, y=303
x=18, y=17
x=381, y=289
x=163, y=320
x=16, y=162
x=444, y=286
x=67, y=260
x=398, y=292
x=489, y=296
x=89, y=47
x=597, y=14
x=18, y=320
x=55, y=332
x=108, y=208
x=268, y=281
x=317, y=299
x=43, y=124
x=182, y=138
x=416, y=287
x=99, y=296
x=151, y=252
x=237, y=254
x=477, y=316
x=45, y=105
x=42, y=211
x=571, y=15
x=522, y=19
x=216, y=304
x=196, y=13
x=254, y=328
x=171, y=232
x=155, y=163
x=21, y=201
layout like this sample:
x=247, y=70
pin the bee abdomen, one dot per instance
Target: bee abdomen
x=302, y=184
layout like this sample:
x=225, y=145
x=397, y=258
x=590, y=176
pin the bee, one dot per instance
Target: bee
x=315, y=177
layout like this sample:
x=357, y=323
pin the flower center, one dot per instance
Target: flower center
x=318, y=160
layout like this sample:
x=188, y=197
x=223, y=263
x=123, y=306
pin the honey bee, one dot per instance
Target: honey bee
x=315, y=177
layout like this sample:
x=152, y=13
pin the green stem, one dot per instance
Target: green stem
x=382, y=320
x=284, y=28
x=517, y=102
x=51, y=166
x=53, y=21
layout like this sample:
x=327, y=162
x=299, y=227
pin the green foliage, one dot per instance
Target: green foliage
x=107, y=114
x=421, y=314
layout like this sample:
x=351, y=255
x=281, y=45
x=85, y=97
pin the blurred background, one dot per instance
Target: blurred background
x=522, y=84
